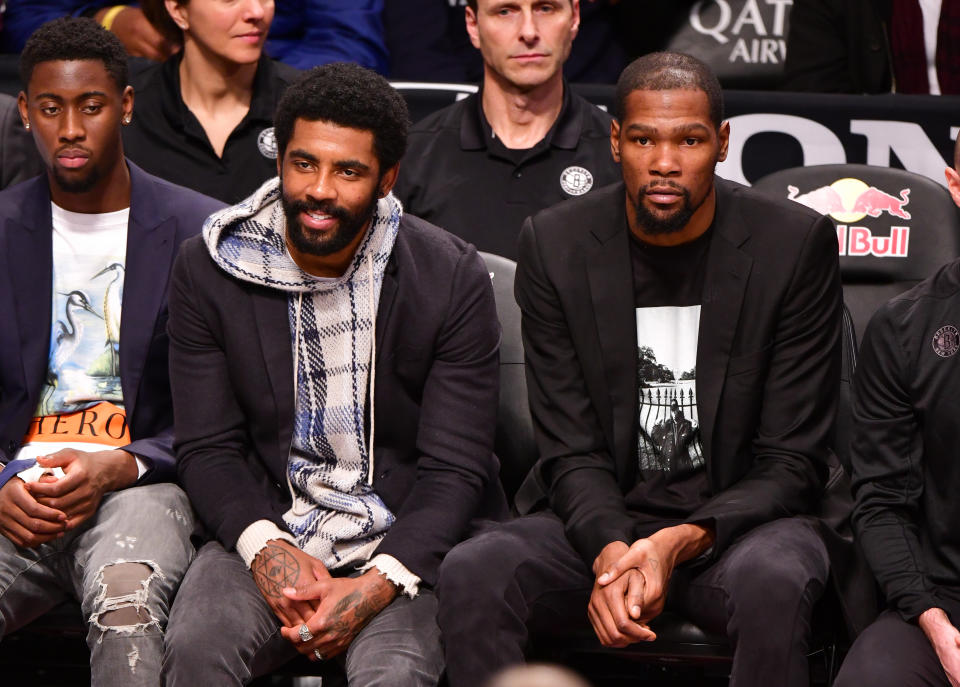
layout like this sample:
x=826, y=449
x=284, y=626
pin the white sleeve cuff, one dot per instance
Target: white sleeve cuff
x=142, y=465
x=396, y=572
x=254, y=539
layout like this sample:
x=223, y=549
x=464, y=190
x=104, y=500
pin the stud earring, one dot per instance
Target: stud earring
x=126, y=120
x=27, y=126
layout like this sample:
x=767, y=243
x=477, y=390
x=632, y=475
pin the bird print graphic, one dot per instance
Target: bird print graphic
x=67, y=336
x=112, y=301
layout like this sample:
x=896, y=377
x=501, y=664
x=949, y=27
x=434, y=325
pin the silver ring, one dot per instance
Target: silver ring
x=305, y=634
x=316, y=652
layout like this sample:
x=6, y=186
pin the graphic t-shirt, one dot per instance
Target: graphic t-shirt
x=81, y=404
x=668, y=288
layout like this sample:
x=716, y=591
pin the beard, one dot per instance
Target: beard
x=350, y=224
x=77, y=185
x=656, y=224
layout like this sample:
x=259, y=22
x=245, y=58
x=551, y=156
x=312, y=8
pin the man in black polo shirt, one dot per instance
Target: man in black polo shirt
x=524, y=142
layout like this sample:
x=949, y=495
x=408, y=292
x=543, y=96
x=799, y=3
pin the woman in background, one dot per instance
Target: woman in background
x=204, y=118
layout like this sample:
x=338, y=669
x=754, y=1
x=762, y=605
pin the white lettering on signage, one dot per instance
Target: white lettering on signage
x=862, y=242
x=907, y=140
x=761, y=50
x=820, y=146
x=750, y=14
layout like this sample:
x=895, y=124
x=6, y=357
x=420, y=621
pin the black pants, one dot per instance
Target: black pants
x=891, y=653
x=517, y=577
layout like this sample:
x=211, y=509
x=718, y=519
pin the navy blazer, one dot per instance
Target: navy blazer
x=435, y=396
x=162, y=215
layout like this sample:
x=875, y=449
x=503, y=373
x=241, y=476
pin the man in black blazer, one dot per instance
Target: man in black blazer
x=682, y=344
x=85, y=255
x=335, y=373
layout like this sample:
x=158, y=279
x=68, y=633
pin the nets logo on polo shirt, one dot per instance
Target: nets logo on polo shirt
x=575, y=181
x=267, y=143
x=946, y=341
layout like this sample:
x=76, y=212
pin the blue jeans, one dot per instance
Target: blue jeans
x=222, y=632
x=123, y=565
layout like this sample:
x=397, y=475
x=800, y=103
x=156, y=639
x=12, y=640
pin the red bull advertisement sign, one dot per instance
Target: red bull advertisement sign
x=851, y=200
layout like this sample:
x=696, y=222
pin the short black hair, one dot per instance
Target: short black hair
x=664, y=71
x=349, y=95
x=74, y=38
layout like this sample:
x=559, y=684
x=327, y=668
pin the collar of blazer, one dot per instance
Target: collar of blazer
x=610, y=279
x=151, y=239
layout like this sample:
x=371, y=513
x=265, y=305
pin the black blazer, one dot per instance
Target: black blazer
x=162, y=215
x=437, y=339
x=768, y=361
x=838, y=46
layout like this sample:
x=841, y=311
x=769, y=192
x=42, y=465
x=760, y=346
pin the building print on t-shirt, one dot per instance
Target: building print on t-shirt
x=84, y=362
x=668, y=437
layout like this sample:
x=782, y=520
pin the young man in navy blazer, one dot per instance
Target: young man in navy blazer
x=87, y=507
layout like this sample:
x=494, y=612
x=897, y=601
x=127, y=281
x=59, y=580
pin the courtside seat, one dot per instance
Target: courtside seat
x=894, y=228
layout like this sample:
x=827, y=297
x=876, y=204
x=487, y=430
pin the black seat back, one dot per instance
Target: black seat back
x=894, y=228
x=514, y=443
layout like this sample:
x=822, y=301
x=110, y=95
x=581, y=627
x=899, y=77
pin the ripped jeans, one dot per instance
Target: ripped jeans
x=124, y=565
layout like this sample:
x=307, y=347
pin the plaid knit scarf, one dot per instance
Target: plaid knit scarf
x=336, y=515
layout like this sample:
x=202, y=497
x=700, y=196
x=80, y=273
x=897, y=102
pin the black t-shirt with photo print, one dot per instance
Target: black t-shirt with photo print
x=668, y=290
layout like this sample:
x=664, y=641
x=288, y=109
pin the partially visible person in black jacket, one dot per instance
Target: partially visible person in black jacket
x=873, y=46
x=205, y=116
x=906, y=477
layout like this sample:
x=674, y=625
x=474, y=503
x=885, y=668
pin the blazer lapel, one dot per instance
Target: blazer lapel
x=270, y=310
x=151, y=239
x=30, y=260
x=727, y=272
x=388, y=295
x=610, y=276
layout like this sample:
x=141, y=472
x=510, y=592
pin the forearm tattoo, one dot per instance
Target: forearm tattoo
x=274, y=569
x=356, y=609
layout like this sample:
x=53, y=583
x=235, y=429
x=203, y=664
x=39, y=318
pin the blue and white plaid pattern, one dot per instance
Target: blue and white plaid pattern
x=336, y=516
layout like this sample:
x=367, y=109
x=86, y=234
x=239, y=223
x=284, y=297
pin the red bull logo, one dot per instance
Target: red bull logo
x=850, y=200
x=857, y=241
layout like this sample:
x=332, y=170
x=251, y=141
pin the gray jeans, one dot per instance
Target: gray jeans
x=223, y=632
x=123, y=565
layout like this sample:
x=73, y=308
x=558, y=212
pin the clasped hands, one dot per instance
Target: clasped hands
x=33, y=514
x=629, y=591
x=631, y=581
x=302, y=592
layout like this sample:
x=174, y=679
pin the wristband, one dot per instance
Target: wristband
x=111, y=15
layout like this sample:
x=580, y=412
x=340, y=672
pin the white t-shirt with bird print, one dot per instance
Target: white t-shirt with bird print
x=81, y=405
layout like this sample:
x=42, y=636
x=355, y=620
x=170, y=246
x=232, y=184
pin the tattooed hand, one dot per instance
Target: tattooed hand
x=347, y=604
x=280, y=565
